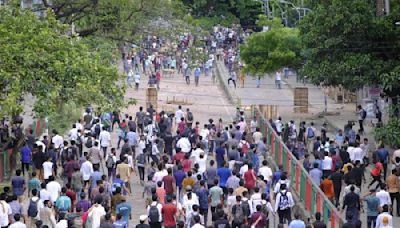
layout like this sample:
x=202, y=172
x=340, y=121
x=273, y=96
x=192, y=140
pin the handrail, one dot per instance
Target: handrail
x=324, y=202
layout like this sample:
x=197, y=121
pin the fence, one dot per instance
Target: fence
x=311, y=196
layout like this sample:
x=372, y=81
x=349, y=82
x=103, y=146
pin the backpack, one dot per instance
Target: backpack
x=89, y=142
x=190, y=116
x=310, y=133
x=33, y=208
x=110, y=162
x=154, y=215
x=363, y=114
x=238, y=216
x=284, y=201
x=97, y=129
x=246, y=208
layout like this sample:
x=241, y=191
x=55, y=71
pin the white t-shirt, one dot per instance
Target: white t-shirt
x=58, y=141
x=17, y=225
x=243, y=169
x=86, y=170
x=384, y=198
x=266, y=172
x=47, y=169
x=380, y=223
x=327, y=163
x=73, y=134
x=4, y=213
x=178, y=115
x=358, y=154
x=54, y=188
x=202, y=164
x=184, y=144
x=104, y=138
x=44, y=195
x=96, y=214
x=350, y=150
x=159, y=175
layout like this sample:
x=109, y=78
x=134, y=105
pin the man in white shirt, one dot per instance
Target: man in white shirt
x=253, y=125
x=184, y=144
x=17, y=223
x=73, y=133
x=327, y=165
x=257, y=136
x=57, y=140
x=86, y=170
x=278, y=124
x=96, y=212
x=47, y=168
x=43, y=193
x=196, y=153
x=278, y=79
x=160, y=174
x=358, y=154
x=179, y=114
x=159, y=207
x=350, y=150
x=54, y=188
x=242, y=125
x=384, y=219
x=265, y=171
x=6, y=212
x=283, y=203
x=244, y=168
x=105, y=140
x=384, y=196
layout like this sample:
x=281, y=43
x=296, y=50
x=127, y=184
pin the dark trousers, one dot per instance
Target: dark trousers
x=354, y=211
x=284, y=215
x=361, y=123
x=154, y=158
x=395, y=196
x=371, y=221
x=204, y=213
x=104, y=152
x=375, y=179
x=384, y=171
x=337, y=190
x=236, y=225
x=141, y=173
x=155, y=224
x=25, y=166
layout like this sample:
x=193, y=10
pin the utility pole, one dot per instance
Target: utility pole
x=387, y=7
x=266, y=8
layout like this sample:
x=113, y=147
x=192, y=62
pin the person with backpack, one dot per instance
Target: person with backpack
x=111, y=162
x=33, y=206
x=189, y=118
x=283, y=204
x=154, y=213
x=362, y=115
x=238, y=214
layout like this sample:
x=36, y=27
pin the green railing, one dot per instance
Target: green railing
x=309, y=194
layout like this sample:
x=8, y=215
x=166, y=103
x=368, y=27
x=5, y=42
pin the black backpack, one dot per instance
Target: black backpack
x=238, y=213
x=33, y=208
x=190, y=116
x=246, y=208
x=110, y=162
x=363, y=114
x=97, y=130
x=154, y=214
x=89, y=142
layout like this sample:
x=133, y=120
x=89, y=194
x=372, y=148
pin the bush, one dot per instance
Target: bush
x=389, y=134
x=63, y=120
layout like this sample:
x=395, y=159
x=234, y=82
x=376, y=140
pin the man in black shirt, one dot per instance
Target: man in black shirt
x=142, y=224
x=337, y=180
x=358, y=173
x=352, y=202
x=318, y=223
x=221, y=221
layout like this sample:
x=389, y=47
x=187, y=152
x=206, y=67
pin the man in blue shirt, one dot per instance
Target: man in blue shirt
x=120, y=222
x=383, y=156
x=124, y=209
x=202, y=194
x=18, y=184
x=63, y=202
x=179, y=176
x=373, y=206
x=197, y=73
x=224, y=173
x=220, y=155
x=316, y=174
x=297, y=222
x=26, y=153
x=96, y=175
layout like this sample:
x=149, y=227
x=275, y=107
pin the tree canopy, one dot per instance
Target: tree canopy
x=353, y=48
x=269, y=51
x=39, y=58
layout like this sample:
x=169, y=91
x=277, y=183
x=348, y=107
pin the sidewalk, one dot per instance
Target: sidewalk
x=337, y=115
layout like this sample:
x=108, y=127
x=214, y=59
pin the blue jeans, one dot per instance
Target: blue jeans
x=354, y=212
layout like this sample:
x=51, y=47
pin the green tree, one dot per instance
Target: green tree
x=353, y=48
x=39, y=59
x=266, y=52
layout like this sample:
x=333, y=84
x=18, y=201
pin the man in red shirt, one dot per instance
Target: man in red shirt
x=179, y=156
x=250, y=178
x=169, y=183
x=168, y=212
x=71, y=194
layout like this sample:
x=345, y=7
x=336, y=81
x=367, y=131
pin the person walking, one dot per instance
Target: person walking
x=283, y=204
x=372, y=207
x=362, y=114
x=352, y=204
x=233, y=78
x=197, y=73
x=278, y=79
x=393, y=189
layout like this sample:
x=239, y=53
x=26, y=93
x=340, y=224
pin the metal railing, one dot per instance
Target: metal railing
x=309, y=194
